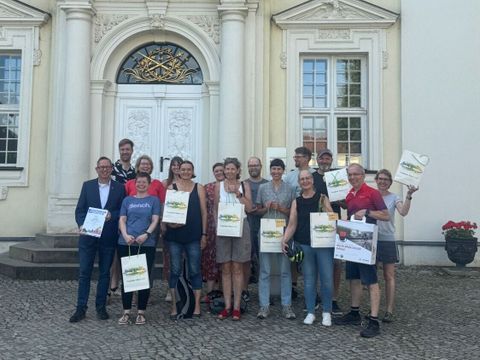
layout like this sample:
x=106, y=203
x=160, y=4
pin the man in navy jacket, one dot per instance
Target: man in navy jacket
x=101, y=193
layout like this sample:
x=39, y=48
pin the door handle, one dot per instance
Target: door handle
x=162, y=159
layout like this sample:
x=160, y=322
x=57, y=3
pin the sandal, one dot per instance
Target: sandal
x=236, y=315
x=225, y=313
x=140, y=319
x=125, y=319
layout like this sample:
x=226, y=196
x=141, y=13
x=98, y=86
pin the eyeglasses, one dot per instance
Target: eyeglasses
x=383, y=179
x=298, y=156
x=104, y=167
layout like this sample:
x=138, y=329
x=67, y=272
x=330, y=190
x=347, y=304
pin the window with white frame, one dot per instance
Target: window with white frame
x=333, y=107
x=10, y=71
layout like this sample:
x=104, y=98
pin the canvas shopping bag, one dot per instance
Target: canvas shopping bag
x=411, y=168
x=176, y=207
x=230, y=219
x=323, y=229
x=135, y=272
x=271, y=233
x=356, y=241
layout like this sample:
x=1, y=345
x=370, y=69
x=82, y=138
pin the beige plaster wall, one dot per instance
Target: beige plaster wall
x=23, y=212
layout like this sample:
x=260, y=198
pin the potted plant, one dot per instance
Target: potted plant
x=460, y=242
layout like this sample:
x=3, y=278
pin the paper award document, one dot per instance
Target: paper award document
x=94, y=221
x=356, y=242
x=337, y=184
x=176, y=207
x=271, y=233
x=411, y=168
x=323, y=228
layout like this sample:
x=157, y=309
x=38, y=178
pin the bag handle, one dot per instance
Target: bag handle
x=352, y=218
x=138, y=252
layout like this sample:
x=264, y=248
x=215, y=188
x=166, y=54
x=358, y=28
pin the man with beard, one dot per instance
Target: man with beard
x=122, y=171
x=254, y=165
x=324, y=161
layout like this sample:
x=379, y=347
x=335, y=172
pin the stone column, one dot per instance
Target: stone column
x=74, y=160
x=232, y=89
x=98, y=88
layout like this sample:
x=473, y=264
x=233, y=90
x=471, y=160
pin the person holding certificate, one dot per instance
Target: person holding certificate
x=273, y=202
x=139, y=217
x=189, y=238
x=316, y=261
x=387, y=252
x=233, y=252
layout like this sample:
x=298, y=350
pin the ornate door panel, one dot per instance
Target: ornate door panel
x=163, y=121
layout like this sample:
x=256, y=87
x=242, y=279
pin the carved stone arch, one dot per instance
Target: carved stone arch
x=115, y=46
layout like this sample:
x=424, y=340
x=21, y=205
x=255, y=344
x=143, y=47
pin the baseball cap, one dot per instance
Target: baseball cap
x=325, y=151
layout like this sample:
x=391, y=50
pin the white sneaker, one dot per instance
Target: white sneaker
x=309, y=319
x=326, y=319
x=168, y=297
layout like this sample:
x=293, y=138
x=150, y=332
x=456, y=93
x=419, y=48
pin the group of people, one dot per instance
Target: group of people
x=133, y=225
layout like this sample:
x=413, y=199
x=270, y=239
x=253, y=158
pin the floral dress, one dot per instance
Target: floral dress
x=210, y=269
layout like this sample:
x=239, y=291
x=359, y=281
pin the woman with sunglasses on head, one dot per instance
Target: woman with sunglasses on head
x=387, y=252
x=317, y=262
x=233, y=252
x=188, y=239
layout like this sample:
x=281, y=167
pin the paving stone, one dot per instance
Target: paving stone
x=437, y=317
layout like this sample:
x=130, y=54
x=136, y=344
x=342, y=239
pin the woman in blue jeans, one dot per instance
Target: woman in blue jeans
x=273, y=202
x=189, y=238
x=316, y=261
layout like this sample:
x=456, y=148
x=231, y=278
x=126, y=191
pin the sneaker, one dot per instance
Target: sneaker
x=168, y=297
x=288, y=313
x=326, y=319
x=263, y=312
x=350, y=318
x=372, y=329
x=246, y=295
x=309, y=319
x=77, y=316
x=388, y=317
x=336, y=309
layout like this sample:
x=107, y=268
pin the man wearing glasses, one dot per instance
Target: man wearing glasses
x=363, y=201
x=100, y=193
x=302, y=157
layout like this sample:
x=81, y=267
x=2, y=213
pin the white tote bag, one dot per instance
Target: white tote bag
x=271, y=233
x=323, y=228
x=411, y=168
x=176, y=207
x=135, y=272
x=230, y=219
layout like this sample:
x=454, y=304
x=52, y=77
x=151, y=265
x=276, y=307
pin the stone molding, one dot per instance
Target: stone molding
x=209, y=24
x=106, y=22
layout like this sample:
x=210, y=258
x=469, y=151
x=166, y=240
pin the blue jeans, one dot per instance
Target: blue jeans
x=194, y=255
x=264, y=279
x=87, y=249
x=317, y=262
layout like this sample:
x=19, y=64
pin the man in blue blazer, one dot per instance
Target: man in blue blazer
x=101, y=193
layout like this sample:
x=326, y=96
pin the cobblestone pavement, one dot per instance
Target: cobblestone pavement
x=438, y=318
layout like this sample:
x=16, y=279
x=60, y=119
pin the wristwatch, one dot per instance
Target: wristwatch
x=146, y=232
x=367, y=212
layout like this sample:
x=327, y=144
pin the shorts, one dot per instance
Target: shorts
x=366, y=273
x=387, y=252
x=233, y=248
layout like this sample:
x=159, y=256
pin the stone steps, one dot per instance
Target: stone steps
x=51, y=257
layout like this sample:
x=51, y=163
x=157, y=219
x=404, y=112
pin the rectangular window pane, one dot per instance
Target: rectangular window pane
x=8, y=138
x=349, y=86
x=11, y=158
x=315, y=87
x=314, y=133
x=349, y=139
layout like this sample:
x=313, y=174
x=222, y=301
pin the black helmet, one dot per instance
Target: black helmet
x=294, y=252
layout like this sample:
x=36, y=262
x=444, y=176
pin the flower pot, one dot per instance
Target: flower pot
x=461, y=251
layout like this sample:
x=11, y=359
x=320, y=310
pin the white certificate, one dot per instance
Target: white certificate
x=323, y=228
x=337, y=184
x=94, y=221
x=176, y=207
x=356, y=242
x=411, y=168
x=271, y=233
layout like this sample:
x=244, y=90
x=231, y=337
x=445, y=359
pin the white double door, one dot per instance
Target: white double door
x=163, y=121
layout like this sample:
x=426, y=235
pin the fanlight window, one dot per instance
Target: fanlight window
x=160, y=63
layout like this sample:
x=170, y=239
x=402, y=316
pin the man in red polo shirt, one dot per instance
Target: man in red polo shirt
x=363, y=201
